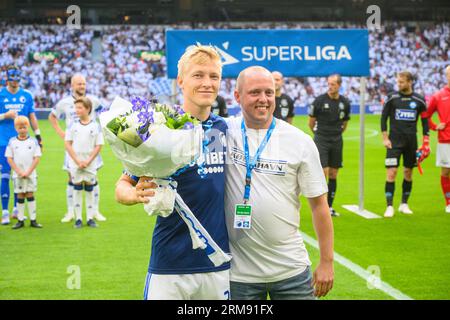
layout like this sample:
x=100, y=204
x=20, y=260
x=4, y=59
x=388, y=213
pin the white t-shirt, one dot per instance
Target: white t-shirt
x=273, y=249
x=23, y=152
x=84, y=138
x=66, y=107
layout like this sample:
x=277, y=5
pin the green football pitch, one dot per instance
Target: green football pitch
x=411, y=254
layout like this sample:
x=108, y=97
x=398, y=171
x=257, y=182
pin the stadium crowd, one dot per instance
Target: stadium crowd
x=119, y=69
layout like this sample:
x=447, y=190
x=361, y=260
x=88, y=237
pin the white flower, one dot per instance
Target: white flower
x=132, y=121
x=159, y=118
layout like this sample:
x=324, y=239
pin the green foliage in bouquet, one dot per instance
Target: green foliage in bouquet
x=133, y=127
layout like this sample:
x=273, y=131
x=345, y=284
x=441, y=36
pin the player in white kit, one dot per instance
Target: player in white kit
x=65, y=107
x=83, y=141
x=23, y=153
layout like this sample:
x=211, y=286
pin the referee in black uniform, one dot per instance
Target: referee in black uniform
x=403, y=109
x=328, y=117
x=219, y=107
x=284, y=105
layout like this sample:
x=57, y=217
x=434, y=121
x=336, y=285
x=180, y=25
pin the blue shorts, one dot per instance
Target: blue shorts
x=4, y=165
x=298, y=287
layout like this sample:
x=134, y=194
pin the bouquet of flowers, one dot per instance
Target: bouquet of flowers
x=159, y=141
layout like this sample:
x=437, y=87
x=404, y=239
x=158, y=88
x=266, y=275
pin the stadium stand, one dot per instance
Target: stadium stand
x=134, y=63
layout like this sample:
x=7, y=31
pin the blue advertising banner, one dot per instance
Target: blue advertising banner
x=295, y=53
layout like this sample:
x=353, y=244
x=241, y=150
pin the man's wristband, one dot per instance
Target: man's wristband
x=37, y=132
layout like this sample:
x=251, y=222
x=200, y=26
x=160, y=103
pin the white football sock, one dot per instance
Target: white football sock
x=21, y=209
x=89, y=195
x=32, y=209
x=96, y=198
x=69, y=198
x=78, y=203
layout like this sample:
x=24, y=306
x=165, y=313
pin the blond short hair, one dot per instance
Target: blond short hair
x=21, y=120
x=199, y=55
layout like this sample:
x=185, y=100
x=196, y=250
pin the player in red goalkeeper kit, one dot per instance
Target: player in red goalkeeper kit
x=440, y=102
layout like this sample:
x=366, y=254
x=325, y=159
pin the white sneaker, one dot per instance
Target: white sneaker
x=99, y=217
x=389, y=213
x=68, y=217
x=447, y=209
x=334, y=213
x=5, y=217
x=403, y=208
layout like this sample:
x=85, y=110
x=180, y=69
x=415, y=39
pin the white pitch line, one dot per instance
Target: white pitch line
x=365, y=213
x=359, y=271
x=373, y=133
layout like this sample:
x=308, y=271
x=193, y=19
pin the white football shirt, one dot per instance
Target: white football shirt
x=84, y=138
x=23, y=152
x=273, y=249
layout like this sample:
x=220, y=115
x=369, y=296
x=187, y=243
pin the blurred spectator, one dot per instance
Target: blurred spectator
x=123, y=71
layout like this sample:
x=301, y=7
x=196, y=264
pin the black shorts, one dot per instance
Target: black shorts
x=405, y=146
x=330, y=151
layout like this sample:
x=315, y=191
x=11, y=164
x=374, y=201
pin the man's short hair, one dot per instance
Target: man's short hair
x=338, y=77
x=199, y=55
x=77, y=75
x=406, y=74
x=86, y=102
x=243, y=74
x=12, y=67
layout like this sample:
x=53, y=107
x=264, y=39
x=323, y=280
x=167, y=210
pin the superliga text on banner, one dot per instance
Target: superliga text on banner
x=291, y=52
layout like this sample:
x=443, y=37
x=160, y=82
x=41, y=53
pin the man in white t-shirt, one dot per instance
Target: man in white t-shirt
x=65, y=107
x=262, y=200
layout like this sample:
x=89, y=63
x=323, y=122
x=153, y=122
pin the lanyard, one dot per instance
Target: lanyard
x=250, y=165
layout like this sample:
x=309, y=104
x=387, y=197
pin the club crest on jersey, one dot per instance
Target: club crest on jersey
x=326, y=106
x=405, y=115
x=22, y=99
x=413, y=105
x=341, y=106
x=284, y=102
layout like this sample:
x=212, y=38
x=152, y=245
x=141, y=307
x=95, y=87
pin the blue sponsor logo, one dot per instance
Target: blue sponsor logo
x=405, y=115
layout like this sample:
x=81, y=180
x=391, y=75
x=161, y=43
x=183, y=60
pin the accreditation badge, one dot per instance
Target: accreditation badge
x=243, y=216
